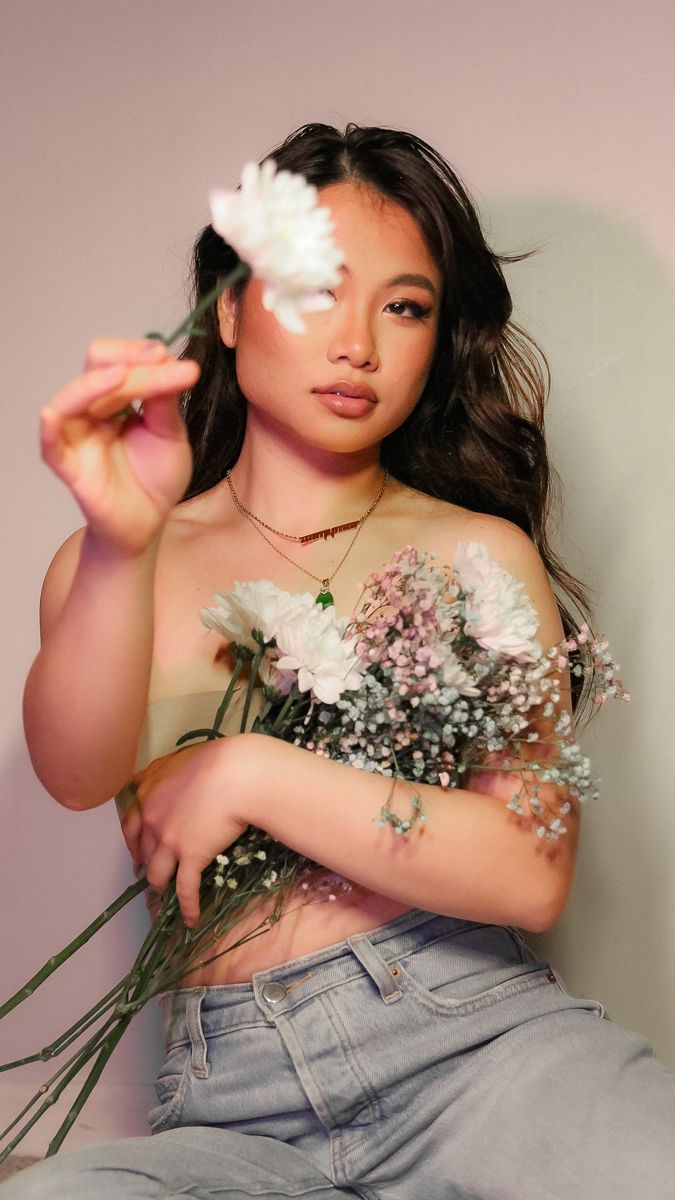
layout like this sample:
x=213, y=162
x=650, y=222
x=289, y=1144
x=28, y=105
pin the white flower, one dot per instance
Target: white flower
x=274, y=224
x=259, y=605
x=499, y=615
x=312, y=647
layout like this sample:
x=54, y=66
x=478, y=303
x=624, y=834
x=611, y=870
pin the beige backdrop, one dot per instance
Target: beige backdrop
x=117, y=118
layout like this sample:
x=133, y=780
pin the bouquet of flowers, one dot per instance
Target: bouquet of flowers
x=436, y=677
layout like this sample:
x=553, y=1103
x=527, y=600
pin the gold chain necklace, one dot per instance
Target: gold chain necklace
x=324, y=597
x=305, y=538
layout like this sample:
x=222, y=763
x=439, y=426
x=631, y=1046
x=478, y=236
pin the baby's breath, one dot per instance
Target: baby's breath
x=439, y=700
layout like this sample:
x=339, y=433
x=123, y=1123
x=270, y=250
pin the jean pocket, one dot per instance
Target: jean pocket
x=170, y=1088
x=477, y=968
x=593, y=1006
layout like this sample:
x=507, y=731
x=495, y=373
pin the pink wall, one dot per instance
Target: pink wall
x=117, y=119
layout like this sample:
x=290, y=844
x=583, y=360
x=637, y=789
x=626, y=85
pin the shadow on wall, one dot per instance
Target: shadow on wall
x=601, y=303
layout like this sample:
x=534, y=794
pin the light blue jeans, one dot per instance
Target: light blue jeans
x=430, y=1059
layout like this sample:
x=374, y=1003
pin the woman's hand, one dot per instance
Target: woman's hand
x=126, y=471
x=188, y=809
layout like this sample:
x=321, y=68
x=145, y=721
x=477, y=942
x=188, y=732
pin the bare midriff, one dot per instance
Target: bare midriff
x=308, y=923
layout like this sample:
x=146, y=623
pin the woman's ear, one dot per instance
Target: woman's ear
x=227, y=318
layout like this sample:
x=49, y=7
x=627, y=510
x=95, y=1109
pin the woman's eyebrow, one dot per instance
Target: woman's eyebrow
x=407, y=280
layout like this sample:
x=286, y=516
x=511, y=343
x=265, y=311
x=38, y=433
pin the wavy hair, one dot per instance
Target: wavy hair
x=476, y=435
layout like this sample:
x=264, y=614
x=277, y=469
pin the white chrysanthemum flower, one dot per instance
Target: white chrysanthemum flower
x=258, y=605
x=315, y=652
x=499, y=615
x=275, y=226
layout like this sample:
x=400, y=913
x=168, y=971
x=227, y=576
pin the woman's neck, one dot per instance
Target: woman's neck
x=303, y=493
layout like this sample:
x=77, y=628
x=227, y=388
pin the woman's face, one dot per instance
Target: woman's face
x=360, y=368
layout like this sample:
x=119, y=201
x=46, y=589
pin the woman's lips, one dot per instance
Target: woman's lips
x=347, y=399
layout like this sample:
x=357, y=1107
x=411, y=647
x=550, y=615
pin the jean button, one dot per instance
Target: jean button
x=274, y=993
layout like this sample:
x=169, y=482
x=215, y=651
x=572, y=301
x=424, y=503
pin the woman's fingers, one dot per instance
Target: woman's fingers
x=161, y=868
x=147, y=776
x=159, y=872
x=132, y=825
x=105, y=391
x=76, y=398
x=102, y=352
x=146, y=383
x=126, y=471
x=188, y=879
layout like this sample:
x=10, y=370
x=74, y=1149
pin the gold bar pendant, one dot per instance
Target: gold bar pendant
x=326, y=533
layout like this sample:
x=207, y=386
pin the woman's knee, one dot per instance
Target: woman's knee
x=91, y=1173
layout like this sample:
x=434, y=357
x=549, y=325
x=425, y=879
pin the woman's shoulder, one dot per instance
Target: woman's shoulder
x=506, y=542
x=199, y=516
x=443, y=527
x=450, y=525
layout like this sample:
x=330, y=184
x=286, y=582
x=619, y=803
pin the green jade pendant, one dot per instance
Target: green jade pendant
x=325, y=597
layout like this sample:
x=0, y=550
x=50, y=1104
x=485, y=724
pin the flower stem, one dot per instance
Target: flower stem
x=89, y=1084
x=291, y=711
x=65, y=1074
x=61, y=1043
x=52, y=964
x=252, y=679
x=187, y=327
x=285, y=709
x=225, y=702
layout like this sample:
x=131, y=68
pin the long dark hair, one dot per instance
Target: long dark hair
x=476, y=435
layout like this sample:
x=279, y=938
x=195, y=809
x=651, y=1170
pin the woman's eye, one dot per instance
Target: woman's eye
x=408, y=308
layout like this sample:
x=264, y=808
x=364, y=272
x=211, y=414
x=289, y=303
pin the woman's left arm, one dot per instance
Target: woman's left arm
x=471, y=858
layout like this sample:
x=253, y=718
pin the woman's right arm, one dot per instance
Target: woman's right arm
x=86, y=693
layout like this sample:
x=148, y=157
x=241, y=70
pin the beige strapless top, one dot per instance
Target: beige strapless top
x=168, y=719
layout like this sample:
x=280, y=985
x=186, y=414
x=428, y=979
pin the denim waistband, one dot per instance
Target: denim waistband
x=281, y=988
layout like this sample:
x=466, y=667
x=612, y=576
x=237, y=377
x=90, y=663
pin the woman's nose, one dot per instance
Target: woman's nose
x=353, y=340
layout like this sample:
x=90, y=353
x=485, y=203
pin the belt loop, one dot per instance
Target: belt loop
x=380, y=972
x=199, y=1064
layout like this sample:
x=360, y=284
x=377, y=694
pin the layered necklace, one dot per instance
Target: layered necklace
x=325, y=596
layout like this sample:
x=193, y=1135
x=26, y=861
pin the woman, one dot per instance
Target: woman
x=364, y=1046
